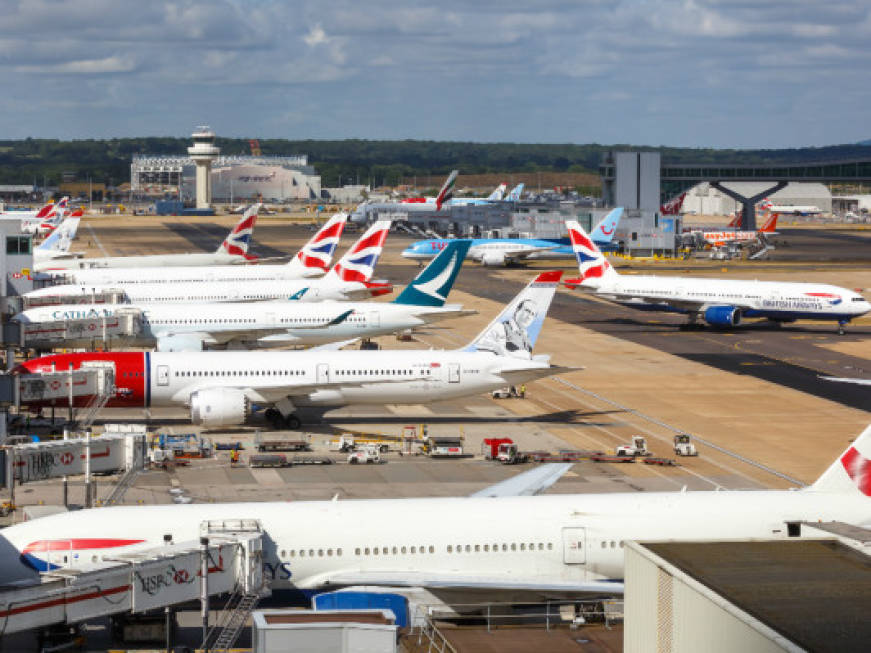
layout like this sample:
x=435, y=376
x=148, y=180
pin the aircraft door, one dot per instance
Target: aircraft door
x=453, y=372
x=271, y=319
x=163, y=375
x=574, y=546
x=374, y=318
x=323, y=373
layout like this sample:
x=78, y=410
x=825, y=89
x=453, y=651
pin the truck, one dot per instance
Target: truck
x=277, y=442
x=490, y=447
x=637, y=448
x=267, y=460
x=683, y=446
x=367, y=453
x=443, y=447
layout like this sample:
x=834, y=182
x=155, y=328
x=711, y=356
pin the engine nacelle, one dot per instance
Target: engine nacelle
x=492, y=259
x=180, y=343
x=219, y=407
x=723, y=316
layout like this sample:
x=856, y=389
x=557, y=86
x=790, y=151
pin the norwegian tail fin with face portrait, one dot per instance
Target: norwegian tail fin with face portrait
x=516, y=328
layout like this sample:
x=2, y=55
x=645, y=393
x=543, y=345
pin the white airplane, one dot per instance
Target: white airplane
x=57, y=245
x=499, y=539
x=312, y=260
x=719, y=302
x=349, y=279
x=787, y=209
x=196, y=327
x=221, y=386
x=446, y=195
x=233, y=250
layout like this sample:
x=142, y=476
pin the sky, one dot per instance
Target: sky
x=683, y=73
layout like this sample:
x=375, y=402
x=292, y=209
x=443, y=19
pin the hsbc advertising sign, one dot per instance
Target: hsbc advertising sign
x=39, y=461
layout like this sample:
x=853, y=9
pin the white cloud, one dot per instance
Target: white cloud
x=316, y=36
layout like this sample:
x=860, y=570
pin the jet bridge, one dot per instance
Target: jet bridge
x=107, y=296
x=98, y=329
x=80, y=590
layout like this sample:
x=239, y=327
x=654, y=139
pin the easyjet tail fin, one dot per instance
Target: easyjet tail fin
x=770, y=224
x=237, y=241
x=851, y=472
x=515, y=330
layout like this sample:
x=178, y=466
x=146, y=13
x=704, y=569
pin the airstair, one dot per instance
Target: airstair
x=237, y=611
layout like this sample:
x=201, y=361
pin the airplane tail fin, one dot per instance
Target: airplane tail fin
x=316, y=255
x=514, y=195
x=447, y=191
x=770, y=224
x=851, y=472
x=735, y=222
x=592, y=264
x=237, y=241
x=62, y=237
x=497, y=194
x=358, y=263
x=515, y=330
x=673, y=206
x=432, y=285
x=604, y=231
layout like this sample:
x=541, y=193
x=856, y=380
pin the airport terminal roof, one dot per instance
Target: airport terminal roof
x=816, y=593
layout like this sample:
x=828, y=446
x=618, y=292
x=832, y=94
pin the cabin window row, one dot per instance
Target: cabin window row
x=378, y=372
x=487, y=548
x=241, y=373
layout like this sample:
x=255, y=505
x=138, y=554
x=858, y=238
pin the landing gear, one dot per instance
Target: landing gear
x=292, y=422
x=842, y=327
x=692, y=323
x=279, y=421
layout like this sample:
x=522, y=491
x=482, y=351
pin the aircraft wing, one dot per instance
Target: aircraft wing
x=444, y=313
x=846, y=380
x=528, y=483
x=368, y=292
x=523, y=254
x=467, y=581
x=688, y=305
x=525, y=374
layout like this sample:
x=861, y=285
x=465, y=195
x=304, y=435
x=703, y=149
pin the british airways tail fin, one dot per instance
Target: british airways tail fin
x=604, y=231
x=497, y=194
x=514, y=195
x=851, y=472
x=515, y=330
x=447, y=191
x=358, y=263
x=53, y=208
x=237, y=241
x=592, y=264
x=316, y=255
x=432, y=285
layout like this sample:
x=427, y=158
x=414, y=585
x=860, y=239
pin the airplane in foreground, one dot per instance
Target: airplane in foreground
x=312, y=260
x=349, y=279
x=196, y=327
x=57, y=245
x=232, y=251
x=719, y=302
x=502, y=538
x=220, y=387
x=512, y=251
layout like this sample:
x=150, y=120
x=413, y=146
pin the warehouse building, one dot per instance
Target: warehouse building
x=704, y=199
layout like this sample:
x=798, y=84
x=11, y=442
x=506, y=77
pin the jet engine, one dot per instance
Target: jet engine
x=219, y=407
x=491, y=259
x=723, y=316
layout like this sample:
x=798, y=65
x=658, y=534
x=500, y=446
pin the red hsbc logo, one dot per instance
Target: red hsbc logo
x=66, y=458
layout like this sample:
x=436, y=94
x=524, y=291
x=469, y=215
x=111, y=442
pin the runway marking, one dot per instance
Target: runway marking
x=97, y=240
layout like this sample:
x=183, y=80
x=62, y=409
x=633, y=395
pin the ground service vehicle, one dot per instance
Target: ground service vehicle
x=637, y=448
x=683, y=446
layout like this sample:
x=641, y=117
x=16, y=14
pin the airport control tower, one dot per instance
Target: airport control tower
x=203, y=152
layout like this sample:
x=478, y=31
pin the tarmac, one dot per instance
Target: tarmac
x=751, y=397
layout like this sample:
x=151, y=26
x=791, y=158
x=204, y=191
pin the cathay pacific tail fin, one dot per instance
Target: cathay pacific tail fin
x=432, y=285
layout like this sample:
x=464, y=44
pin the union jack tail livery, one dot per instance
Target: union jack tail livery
x=237, y=241
x=316, y=256
x=447, y=191
x=358, y=264
x=592, y=264
x=52, y=209
x=851, y=472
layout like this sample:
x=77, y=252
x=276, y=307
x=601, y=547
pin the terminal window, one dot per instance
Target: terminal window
x=18, y=244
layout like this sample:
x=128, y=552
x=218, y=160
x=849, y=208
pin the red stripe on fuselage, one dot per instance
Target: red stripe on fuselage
x=130, y=375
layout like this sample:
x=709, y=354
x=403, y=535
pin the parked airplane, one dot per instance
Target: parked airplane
x=726, y=236
x=44, y=220
x=673, y=206
x=787, y=209
x=720, y=302
x=516, y=192
x=312, y=260
x=48, y=209
x=233, y=250
x=188, y=327
x=57, y=245
x=349, y=279
x=221, y=386
x=500, y=538
x=446, y=195
x=509, y=251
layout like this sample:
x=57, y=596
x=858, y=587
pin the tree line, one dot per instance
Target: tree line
x=40, y=161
